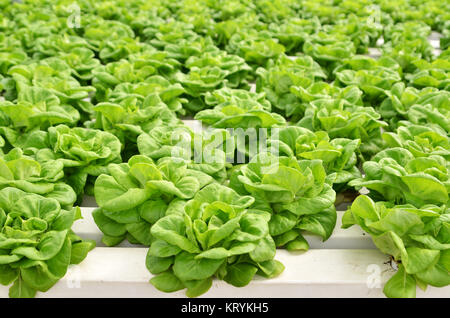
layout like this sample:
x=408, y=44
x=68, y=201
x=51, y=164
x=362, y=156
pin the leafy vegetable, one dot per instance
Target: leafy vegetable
x=133, y=116
x=169, y=93
x=255, y=47
x=278, y=77
x=338, y=155
x=54, y=75
x=342, y=119
x=134, y=195
x=82, y=152
x=208, y=152
x=213, y=235
x=36, y=243
x=427, y=105
x=238, y=109
x=299, y=101
x=140, y=67
x=370, y=75
x=421, y=141
x=416, y=238
x=298, y=194
x=395, y=174
x=326, y=49
x=37, y=108
x=25, y=173
x=213, y=70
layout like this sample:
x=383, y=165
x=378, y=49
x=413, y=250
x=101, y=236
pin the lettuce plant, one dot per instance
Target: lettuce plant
x=236, y=21
x=277, y=11
x=54, y=75
x=297, y=193
x=407, y=42
x=213, y=235
x=244, y=115
x=327, y=49
x=183, y=49
x=372, y=76
x=406, y=31
x=36, y=242
x=293, y=32
x=235, y=67
x=159, y=61
x=406, y=103
x=416, y=238
x=177, y=38
x=101, y=32
x=161, y=33
x=132, y=116
x=437, y=118
x=238, y=109
x=36, y=108
x=434, y=74
x=326, y=12
x=82, y=62
x=308, y=92
x=406, y=53
x=120, y=49
x=91, y=103
x=208, y=152
x=278, y=77
x=27, y=174
x=211, y=71
x=396, y=175
x=421, y=141
x=166, y=141
x=137, y=69
x=60, y=44
x=256, y=47
x=200, y=81
x=169, y=93
x=338, y=155
x=132, y=196
x=198, y=14
x=84, y=153
x=362, y=31
x=10, y=54
x=341, y=119
x=32, y=29
x=237, y=96
x=433, y=13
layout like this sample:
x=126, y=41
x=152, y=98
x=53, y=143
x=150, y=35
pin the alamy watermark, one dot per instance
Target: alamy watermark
x=374, y=18
x=374, y=278
x=74, y=19
x=73, y=277
x=231, y=145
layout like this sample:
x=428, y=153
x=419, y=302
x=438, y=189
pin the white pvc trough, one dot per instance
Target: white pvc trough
x=347, y=265
x=120, y=272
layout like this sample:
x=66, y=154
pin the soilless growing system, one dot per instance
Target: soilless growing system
x=293, y=148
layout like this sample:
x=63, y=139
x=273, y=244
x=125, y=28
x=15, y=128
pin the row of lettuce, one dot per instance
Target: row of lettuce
x=93, y=95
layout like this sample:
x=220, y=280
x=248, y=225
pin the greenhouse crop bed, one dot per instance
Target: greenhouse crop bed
x=347, y=265
x=230, y=149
